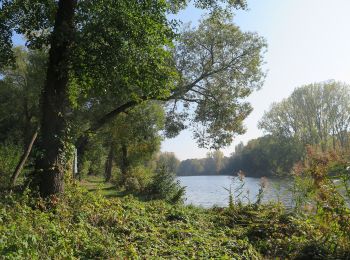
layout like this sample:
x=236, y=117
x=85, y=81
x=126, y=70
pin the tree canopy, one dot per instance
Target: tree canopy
x=106, y=57
x=218, y=65
x=20, y=88
x=268, y=155
x=316, y=114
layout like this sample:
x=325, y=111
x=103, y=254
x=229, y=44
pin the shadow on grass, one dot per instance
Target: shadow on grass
x=103, y=189
x=113, y=192
x=95, y=180
x=109, y=190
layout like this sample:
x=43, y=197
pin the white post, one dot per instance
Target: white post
x=75, y=162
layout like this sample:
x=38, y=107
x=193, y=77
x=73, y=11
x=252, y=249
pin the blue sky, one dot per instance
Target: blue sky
x=308, y=41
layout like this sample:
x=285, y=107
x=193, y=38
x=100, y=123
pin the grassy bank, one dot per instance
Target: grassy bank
x=88, y=225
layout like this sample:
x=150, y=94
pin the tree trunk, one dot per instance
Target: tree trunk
x=124, y=163
x=109, y=165
x=50, y=165
x=23, y=159
x=83, y=140
x=90, y=171
x=27, y=126
x=81, y=145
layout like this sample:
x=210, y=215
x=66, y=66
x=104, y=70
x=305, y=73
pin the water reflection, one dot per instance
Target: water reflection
x=207, y=191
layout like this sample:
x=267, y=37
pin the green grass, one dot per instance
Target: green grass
x=85, y=224
x=97, y=183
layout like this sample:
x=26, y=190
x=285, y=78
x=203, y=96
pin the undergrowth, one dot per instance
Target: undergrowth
x=87, y=225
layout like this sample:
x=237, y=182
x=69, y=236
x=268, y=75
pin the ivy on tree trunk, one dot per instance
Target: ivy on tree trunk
x=50, y=164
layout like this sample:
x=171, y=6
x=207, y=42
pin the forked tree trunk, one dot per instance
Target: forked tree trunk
x=50, y=165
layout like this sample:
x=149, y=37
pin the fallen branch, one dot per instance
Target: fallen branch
x=23, y=159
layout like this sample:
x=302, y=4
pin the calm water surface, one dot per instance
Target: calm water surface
x=207, y=191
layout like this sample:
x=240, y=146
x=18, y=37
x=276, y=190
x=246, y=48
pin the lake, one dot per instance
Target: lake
x=207, y=191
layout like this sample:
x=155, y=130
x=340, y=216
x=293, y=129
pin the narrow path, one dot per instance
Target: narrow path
x=94, y=183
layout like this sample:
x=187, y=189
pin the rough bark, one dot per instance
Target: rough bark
x=50, y=165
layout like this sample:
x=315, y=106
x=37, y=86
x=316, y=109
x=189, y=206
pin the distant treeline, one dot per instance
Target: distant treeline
x=264, y=156
x=213, y=164
x=316, y=115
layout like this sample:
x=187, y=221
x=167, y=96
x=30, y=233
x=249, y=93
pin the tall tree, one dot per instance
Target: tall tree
x=316, y=114
x=265, y=156
x=132, y=36
x=117, y=49
x=219, y=65
x=55, y=103
x=20, y=88
x=217, y=157
x=169, y=161
x=134, y=137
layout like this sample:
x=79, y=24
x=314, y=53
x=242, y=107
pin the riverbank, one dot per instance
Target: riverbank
x=88, y=225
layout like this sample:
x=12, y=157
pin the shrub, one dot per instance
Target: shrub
x=9, y=157
x=132, y=185
x=323, y=193
x=137, y=179
x=165, y=186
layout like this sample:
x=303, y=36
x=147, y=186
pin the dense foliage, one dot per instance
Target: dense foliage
x=213, y=164
x=106, y=57
x=20, y=85
x=9, y=157
x=101, y=82
x=87, y=225
x=265, y=156
x=317, y=114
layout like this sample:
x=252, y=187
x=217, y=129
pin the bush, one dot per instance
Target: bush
x=132, y=185
x=9, y=158
x=137, y=179
x=165, y=186
x=322, y=195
